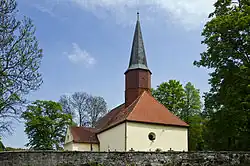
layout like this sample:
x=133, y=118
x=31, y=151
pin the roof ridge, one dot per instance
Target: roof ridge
x=114, y=109
x=166, y=108
x=138, y=98
x=126, y=108
x=109, y=119
x=83, y=127
x=110, y=113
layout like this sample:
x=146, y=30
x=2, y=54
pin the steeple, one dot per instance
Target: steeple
x=138, y=56
x=137, y=76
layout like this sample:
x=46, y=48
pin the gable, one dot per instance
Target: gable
x=68, y=137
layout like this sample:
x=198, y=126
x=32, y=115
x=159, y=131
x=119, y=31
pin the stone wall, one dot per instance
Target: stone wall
x=52, y=158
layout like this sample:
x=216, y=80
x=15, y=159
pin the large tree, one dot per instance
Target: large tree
x=46, y=125
x=86, y=108
x=226, y=36
x=97, y=107
x=79, y=103
x=172, y=95
x=191, y=113
x=20, y=58
x=192, y=102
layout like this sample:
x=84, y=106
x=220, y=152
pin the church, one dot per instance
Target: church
x=141, y=123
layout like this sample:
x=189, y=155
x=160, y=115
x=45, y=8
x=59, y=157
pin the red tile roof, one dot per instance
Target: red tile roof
x=149, y=110
x=108, y=118
x=84, y=135
x=145, y=109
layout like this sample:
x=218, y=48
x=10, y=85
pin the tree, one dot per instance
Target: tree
x=20, y=58
x=66, y=105
x=193, y=104
x=46, y=125
x=226, y=36
x=87, y=108
x=195, y=133
x=97, y=107
x=191, y=113
x=2, y=148
x=185, y=103
x=79, y=102
x=172, y=95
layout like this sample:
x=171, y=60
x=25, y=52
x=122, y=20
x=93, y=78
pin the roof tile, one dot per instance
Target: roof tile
x=84, y=135
x=144, y=109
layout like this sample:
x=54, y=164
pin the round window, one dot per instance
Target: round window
x=151, y=136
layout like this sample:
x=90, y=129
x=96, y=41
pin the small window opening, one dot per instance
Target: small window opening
x=151, y=136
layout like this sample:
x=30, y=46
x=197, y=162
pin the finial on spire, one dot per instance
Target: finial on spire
x=138, y=16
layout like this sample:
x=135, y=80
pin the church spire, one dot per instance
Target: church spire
x=138, y=56
x=137, y=76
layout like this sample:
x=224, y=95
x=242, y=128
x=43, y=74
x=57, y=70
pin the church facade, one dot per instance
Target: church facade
x=141, y=123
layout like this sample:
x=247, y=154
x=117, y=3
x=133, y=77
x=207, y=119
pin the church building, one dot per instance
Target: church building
x=141, y=123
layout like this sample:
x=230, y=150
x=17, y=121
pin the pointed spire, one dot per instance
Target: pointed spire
x=138, y=56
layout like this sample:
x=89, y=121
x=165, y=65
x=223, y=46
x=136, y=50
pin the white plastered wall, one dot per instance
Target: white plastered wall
x=167, y=137
x=113, y=139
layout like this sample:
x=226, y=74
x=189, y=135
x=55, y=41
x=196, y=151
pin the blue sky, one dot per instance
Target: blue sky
x=87, y=44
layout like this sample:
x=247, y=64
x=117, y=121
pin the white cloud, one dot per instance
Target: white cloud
x=79, y=56
x=48, y=7
x=44, y=9
x=189, y=13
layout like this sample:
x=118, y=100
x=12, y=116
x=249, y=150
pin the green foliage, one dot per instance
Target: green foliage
x=20, y=58
x=46, y=125
x=172, y=95
x=14, y=149
x=227, y=104
x=195, y=133
x=185, y=103
x=2, y=148
x=192, y=106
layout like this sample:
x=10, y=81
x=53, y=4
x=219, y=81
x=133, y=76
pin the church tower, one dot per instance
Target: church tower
x=137, y=76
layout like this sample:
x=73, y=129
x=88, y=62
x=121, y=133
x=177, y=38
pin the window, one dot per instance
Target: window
x=151, y=136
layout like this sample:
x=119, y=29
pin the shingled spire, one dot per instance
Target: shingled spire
x=138, y=56
x=138, y=76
